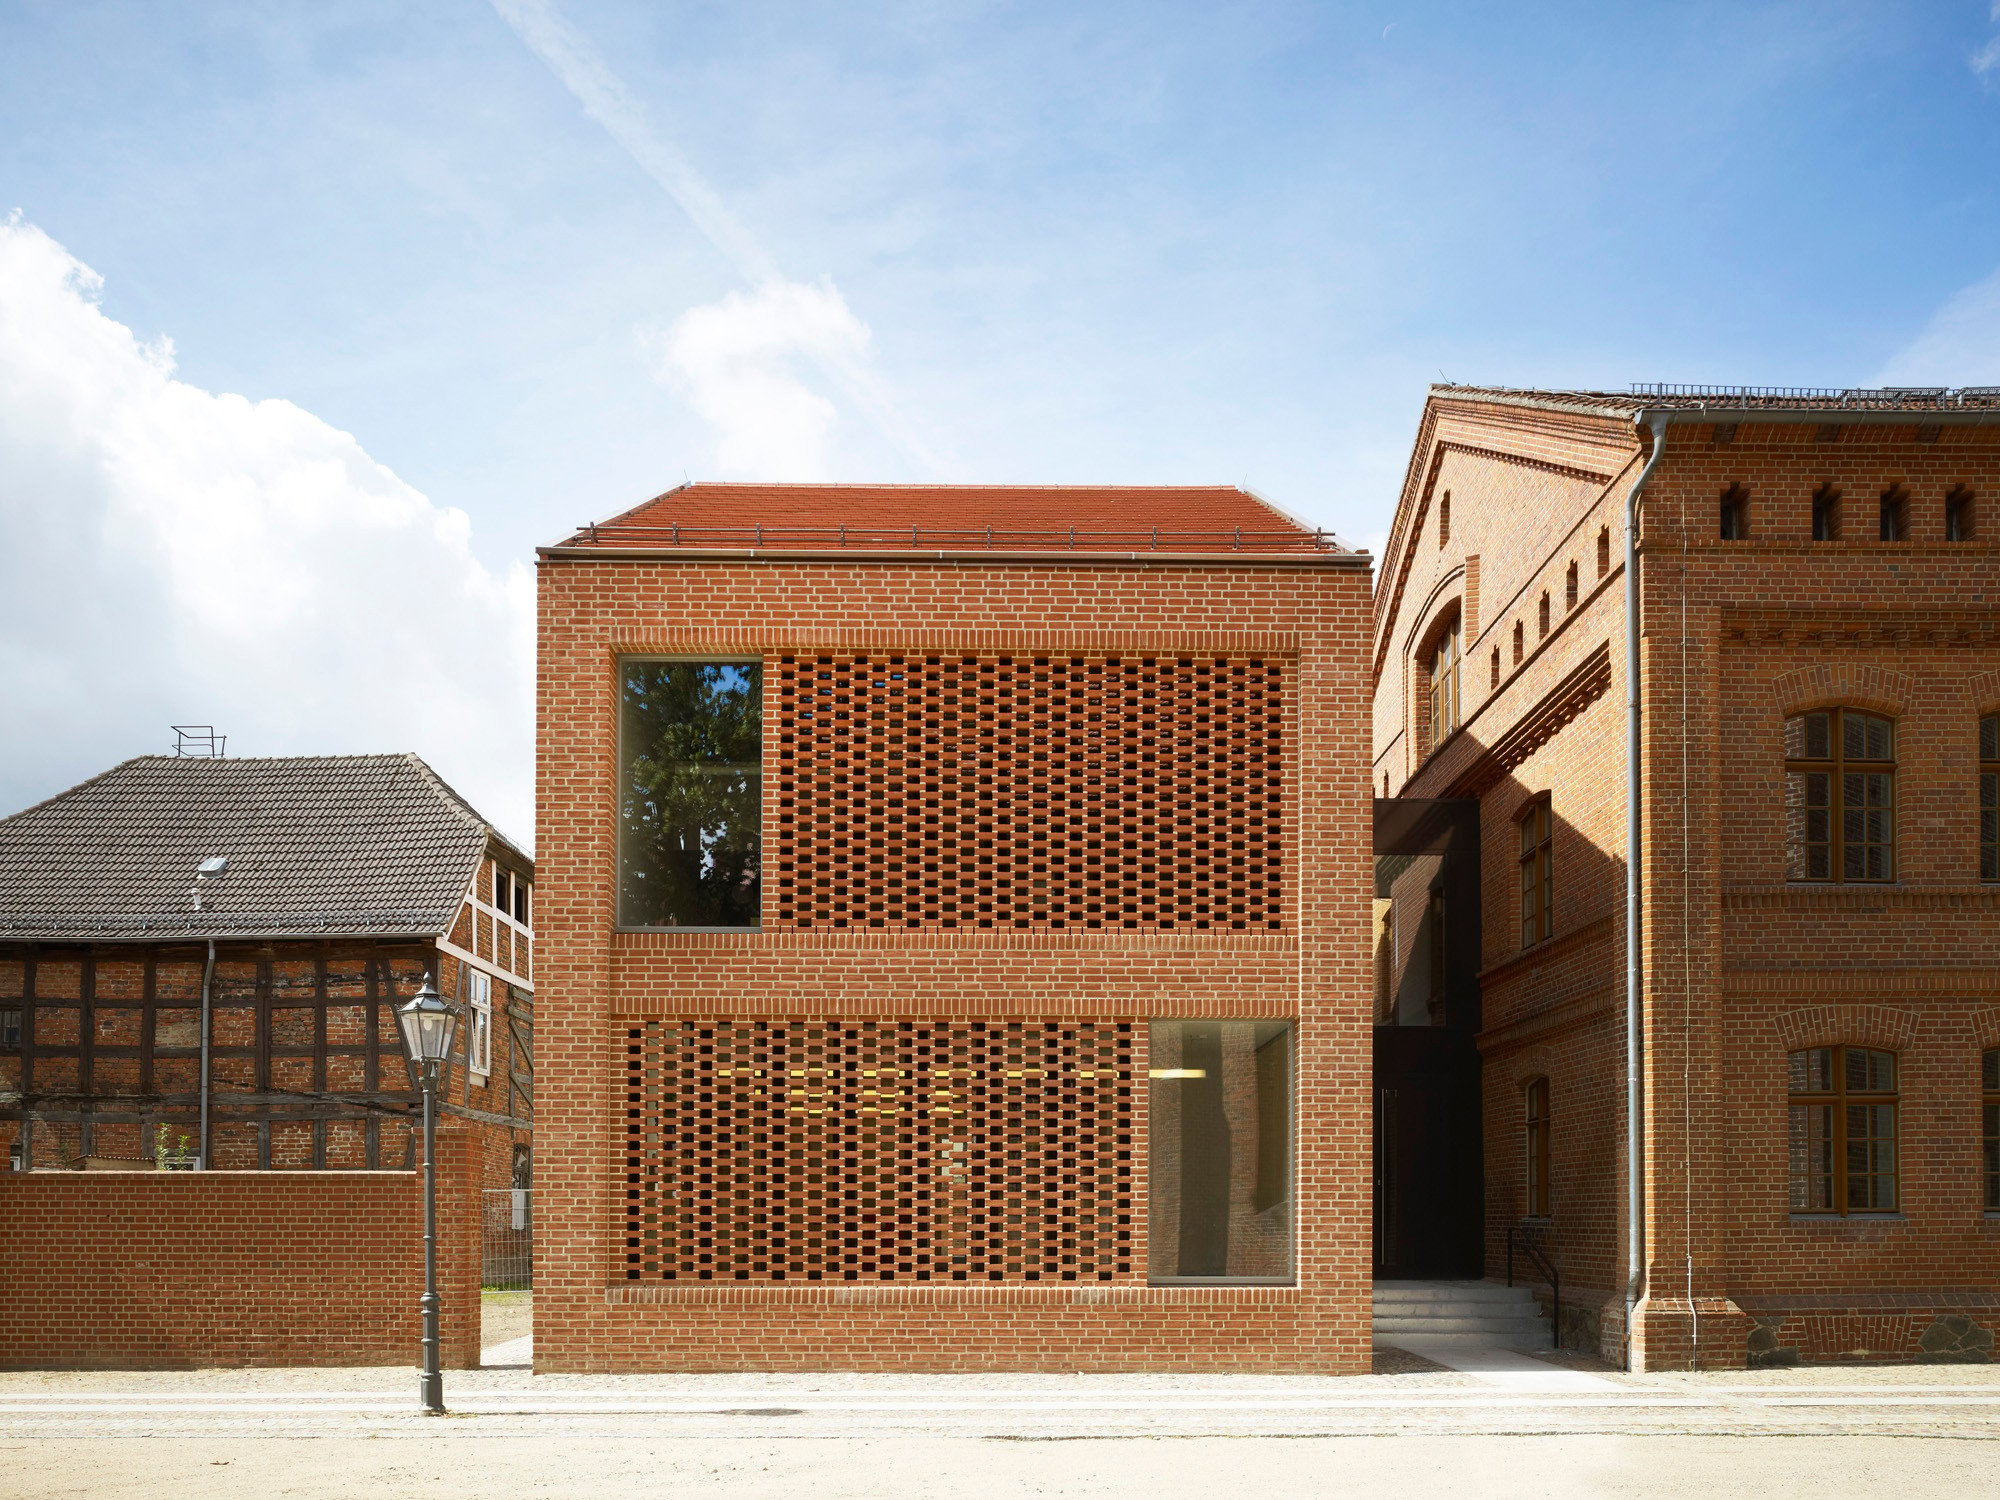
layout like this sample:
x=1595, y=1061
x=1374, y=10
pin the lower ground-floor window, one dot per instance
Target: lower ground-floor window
x=1842, y=1130
x=1219, y=1205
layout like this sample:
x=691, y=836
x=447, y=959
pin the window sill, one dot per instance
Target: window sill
x=1845, y=1220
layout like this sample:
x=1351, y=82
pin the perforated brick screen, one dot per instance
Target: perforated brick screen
x=1026, y=791
x=860, y=1150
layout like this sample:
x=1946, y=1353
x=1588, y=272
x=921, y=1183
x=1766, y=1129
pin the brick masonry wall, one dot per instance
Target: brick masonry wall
x=590, y=977
x=1741, y=967
x=185, y=1270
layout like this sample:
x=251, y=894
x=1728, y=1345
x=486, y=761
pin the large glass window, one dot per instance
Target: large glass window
x=1842, y=1128
x=1840, y=796
x=690, y=794
x=1219, y=1206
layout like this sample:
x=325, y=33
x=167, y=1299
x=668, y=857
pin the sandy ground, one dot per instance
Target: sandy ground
x=557, y=1467
x=504, y=1316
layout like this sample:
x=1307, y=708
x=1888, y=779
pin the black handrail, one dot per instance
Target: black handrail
x=1533, y=1240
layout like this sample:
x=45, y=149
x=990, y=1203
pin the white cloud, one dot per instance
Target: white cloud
x=1987, y=58
x=578, y=66
x=170, y=554
x=1959, y=346
x=737, y=360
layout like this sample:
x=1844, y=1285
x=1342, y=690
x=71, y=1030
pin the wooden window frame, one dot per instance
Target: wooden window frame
x=1989, y=798
x=1842, y=1100
x=1535, y=1147
x=1839, y=769
x=1536, y=862
x=1989, y=1110
x=1443, y=697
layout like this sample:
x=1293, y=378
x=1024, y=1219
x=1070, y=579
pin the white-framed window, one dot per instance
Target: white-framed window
x=479, y=1022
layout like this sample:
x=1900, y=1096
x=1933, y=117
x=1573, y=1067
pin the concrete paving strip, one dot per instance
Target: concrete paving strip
x=1501, y=1367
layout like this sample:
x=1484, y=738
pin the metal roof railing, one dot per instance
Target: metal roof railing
x=1862, y=398
x=953, y=539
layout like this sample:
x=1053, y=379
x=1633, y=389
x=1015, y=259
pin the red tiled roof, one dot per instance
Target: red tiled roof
x=956, y=518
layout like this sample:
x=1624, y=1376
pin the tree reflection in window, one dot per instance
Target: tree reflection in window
x=690, y=794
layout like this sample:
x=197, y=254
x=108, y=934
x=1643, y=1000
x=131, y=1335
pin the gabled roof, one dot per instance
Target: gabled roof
x=1914, y=403
x=878, y=518
x=349, y=845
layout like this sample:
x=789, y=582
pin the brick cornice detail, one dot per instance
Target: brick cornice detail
x=1585, y=683
x=966, y=643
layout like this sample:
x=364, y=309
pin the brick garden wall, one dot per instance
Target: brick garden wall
x=594, y=982
x=185, y=1270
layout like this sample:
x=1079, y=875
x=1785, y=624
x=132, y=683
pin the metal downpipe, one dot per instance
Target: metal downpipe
x=1635, y=1153
x=207, y=975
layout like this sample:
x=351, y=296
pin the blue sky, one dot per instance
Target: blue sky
x=445, y=251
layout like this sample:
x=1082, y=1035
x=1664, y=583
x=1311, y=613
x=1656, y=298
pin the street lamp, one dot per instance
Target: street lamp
x=428, y=1022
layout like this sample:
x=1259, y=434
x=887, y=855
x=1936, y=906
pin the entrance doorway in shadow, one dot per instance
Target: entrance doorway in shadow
x=1428, y=1170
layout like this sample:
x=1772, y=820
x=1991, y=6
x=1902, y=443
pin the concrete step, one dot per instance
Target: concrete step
x=1509, y=1327
x=1425, y=1291
x=1454, y=1304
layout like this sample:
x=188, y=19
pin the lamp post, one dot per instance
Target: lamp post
x=428, y=1022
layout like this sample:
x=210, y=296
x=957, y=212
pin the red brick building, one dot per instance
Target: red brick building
x=200, y=960
x=954, y=940
x=1819, y=865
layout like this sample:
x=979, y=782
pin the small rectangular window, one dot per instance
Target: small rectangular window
x=1220, y=1151
x=478, y=1022
x=10, y=1028
x=502, y=901
x=1958, y=516
x=691, y=794
x=520, y=903
x=1894, y=524
x=1826, y=515
x=1735, y=514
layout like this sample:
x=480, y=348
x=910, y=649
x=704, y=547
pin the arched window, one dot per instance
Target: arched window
x=1537, y=872
x=1569, y=589
x=1444, y=518
x=1603, y=550
x=1535, y=1147
x=1989, y=1110
x=1441, y=673
x=1989, y=797
x=1545, y=612
x=1840, y=796
x=1842, y=1130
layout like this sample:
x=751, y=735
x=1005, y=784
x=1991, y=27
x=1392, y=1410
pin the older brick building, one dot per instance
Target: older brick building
x=1819, y=859
x=200, y=960
x=954, y=939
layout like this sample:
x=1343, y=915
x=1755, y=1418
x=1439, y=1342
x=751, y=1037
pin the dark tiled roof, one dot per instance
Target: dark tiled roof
x=1916, y=400
x=351, y=844
x=957, y=518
